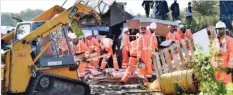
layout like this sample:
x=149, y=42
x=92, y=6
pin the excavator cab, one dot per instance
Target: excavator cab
x=58, y=53
x=39, y=58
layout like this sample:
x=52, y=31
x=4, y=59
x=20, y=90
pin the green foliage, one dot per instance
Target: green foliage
x=205, y=13
x=205, y=73
x=28, y=14
x=205, y=7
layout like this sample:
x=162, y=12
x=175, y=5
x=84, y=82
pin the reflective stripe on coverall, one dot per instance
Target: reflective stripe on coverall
x=84, y=51
x=145, y=50
x=132, y=61
x=93, y=44
x=106, y=44
x=226, y=50
x=173, y=36
x=125, y=50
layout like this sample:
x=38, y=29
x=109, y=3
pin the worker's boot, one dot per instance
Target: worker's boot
x=150, y=79
x=141, y=81
x=122, y=83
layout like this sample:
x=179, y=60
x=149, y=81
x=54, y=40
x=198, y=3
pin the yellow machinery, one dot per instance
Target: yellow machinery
x=47, y=15
x=33, y=63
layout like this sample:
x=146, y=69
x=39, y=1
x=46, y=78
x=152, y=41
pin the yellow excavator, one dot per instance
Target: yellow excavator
x=31, y=58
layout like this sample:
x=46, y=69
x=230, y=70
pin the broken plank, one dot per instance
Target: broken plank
x=191, y=46
x=181, y=56
x=157, y=64
x=175, y=56
x=161, y=55
x=183, y=42
x=168, y=59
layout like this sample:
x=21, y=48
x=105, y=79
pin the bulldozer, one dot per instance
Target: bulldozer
x=32, y=62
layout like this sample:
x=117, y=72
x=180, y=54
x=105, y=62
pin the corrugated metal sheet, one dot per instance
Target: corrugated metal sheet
x=142, y=19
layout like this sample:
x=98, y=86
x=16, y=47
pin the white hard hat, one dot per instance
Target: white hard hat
x=72, y=35
x=125, y=29
x=220, y=24
x=181, y=26
x=153, y=25
x=87, y=34
x=178, y=21
x=148, y=27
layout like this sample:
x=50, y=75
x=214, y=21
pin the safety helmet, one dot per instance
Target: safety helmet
x=220, y=24
x=153, y=25
x=148, y=28
x=87, y=34
x=125, y=29
x=72, y=35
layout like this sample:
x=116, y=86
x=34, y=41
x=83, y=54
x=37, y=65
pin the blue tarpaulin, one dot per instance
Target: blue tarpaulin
x=105, y=29
x=226, y=12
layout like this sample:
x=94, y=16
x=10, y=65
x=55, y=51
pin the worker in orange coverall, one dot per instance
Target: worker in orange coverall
x=153, y=26
x=106, y=46
x=144, y=54
x=81, y=50
x=173, y=35
x=94, y=46
x=179, y=31
x=125, y=48
x=225, y=46
x=132, y=60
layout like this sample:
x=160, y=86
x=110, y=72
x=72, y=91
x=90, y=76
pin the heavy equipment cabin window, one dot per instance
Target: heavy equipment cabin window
x=59, y=46
x=22, y=31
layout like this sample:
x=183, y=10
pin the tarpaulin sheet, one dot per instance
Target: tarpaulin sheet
x=226, y=12
x=105, y=29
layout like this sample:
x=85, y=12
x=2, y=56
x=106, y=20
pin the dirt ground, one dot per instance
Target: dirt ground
x=109, y=84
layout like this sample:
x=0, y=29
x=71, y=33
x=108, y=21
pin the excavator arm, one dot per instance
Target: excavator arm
x=47, y=15
x=75, y=12
x=23, y=73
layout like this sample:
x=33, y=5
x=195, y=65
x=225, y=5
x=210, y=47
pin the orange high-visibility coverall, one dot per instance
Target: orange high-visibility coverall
x=132, y=60
x=188, y=33
x=226, y=50
x=173, y=36
x=145, y=50
x=83, y=51
x=180, y=33
x=93, y=44
x=106, y=45
x=125, y=50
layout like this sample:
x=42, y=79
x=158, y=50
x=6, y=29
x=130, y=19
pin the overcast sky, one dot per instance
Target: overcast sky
x=133, y=6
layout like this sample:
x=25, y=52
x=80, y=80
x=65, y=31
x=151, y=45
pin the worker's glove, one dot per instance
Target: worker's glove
x=84, y=59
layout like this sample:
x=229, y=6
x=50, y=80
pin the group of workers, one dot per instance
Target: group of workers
x=137, y=52
x=140, y=50
x=90, y=48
